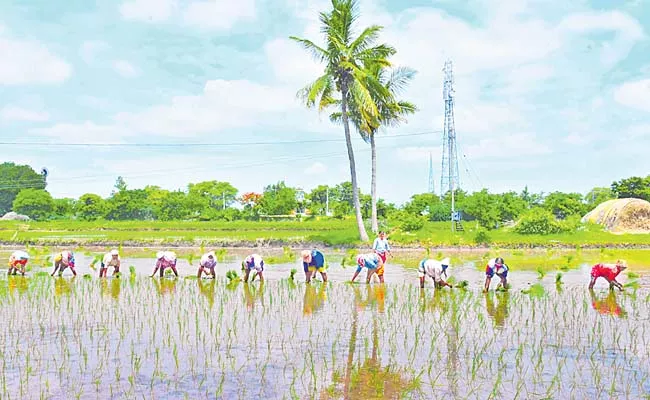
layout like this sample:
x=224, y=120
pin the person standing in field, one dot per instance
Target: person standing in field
x=381, y=246
x=17, y=262
x=313, y=261
x=498, y=267
x=253, y=262
x=373, y=262
x=111, y=259
x=64, y=260
x=609, y=272
x=165, y=259
x=434, y=269
x=207, y=264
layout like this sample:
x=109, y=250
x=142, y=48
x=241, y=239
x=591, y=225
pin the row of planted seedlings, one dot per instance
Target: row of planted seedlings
x=148, y=337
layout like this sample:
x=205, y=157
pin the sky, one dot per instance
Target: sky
x=551, y=95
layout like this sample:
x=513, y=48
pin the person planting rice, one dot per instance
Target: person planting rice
x=165, y=259
x=434, y=269
x=609, y=272
x=256, y=262
x=64, y=260
x=312, y=261
x=111, y=259
x=17, y=262
x=207, y=264
x=373, y=262
x=497, y=267
x=381, y=246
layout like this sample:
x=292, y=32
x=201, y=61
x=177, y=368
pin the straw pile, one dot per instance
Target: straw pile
x=622, y=216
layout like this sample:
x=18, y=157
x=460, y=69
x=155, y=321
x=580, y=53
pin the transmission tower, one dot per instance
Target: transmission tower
x=449, y=181
x=432, y=188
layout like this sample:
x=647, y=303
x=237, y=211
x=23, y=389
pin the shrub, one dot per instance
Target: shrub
x=482, y=237
x=408, y=222
x=538, y=222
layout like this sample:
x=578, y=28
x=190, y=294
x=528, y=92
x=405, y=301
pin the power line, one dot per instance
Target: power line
x=225, y=144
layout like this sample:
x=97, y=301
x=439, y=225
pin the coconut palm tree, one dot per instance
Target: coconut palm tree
x=391, y=112
x=345, y=76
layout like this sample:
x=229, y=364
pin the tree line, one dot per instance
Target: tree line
x=221, y=201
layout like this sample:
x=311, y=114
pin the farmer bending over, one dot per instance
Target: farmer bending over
x=17, y=258
x=609, y=272
x=433, y=269
x=381, y=246
x=111, y=259
x=256, y=262
x=313, y=261
x=64, y=260
x=373, y=262
x=207, y=264
x=498, y=267
x=165, y=259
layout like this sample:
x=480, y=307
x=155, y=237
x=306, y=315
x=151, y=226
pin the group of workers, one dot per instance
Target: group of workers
x=313, y=262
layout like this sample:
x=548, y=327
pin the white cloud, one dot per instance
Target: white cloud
x=634, y=94
x=316, y=168
x=90, y=48
x=290, y=63
x=87, y=132
x=576, y=139
x=25, y=61
x=218, y=14
x=148, y=10
x=515, y=146
x=420, y=154
x=14, y=113
x=638, y=132
x=125, y=69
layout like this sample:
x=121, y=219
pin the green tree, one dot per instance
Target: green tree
x=129, y=205
x=345, y=57
x=13, y=179
x=635, y=186
x=156, y=197
x=219, y=195
x=599, y=195
x=35, y=203
x=482, y=206
x=173, y=207
x=91, y=207
x=392, y=112
x=120, y=185
x=510, y=206
x=63, y=208
x=422, y=204
x=279, y=199
x=318, y=199
x=563, y=205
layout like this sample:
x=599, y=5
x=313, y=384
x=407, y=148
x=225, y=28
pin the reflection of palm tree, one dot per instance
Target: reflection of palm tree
x=500, y=312
x=607, y=305
x=313, y=301
x=207, y=290
x=371, y=380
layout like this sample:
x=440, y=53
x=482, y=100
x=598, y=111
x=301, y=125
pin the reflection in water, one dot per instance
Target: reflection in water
x=500, y=312
x=251, y=296
x=207, y=290
x=607, y=305
x=165, y=286
x=17, y=283
x=112, y=290
x=63, y=286
x=314, y=300
x=375, y=297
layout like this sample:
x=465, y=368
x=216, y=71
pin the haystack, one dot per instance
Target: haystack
x=622, y=216
x=12, y=216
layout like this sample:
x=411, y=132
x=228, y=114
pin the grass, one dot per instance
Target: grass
x=204, y=339
x=331, y=232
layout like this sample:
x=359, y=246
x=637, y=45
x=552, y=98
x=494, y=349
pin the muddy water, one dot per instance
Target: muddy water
x=173, y=338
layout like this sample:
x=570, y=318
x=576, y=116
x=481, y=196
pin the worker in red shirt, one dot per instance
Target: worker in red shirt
x=609, y=272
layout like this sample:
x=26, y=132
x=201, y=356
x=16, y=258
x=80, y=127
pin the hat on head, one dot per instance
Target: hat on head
x=306, y=254
x=160, y=254
x=445, y=262
x=114, y=252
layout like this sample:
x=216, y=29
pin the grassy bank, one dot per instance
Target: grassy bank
x=330, y=232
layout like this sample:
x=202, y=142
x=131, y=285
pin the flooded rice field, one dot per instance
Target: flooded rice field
x=164, y=338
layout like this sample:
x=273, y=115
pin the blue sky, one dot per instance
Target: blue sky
x=553, y=97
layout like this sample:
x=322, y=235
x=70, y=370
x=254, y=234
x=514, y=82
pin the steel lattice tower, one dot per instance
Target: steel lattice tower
x=431, y=179
x=449, y=181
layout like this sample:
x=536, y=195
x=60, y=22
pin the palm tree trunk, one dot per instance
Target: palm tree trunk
x=373, y=184
x=363, y=235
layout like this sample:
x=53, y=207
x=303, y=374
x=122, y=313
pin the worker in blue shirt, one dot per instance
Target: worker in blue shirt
x=312, y=261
